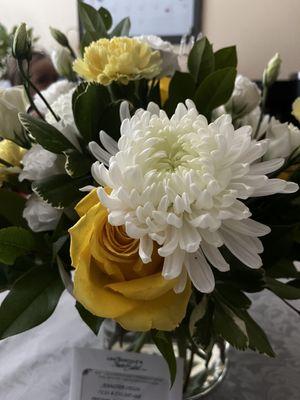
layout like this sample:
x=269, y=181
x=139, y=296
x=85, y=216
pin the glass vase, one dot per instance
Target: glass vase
x=202, y=372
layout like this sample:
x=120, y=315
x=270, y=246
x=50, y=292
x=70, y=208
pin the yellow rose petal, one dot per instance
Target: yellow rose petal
x=87, y=202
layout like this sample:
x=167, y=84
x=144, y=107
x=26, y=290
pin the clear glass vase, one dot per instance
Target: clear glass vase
x=202, y=372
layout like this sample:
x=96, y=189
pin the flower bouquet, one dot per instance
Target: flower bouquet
x=154, y=188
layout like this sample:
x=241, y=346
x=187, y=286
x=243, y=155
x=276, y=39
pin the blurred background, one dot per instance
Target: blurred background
x=258, y=27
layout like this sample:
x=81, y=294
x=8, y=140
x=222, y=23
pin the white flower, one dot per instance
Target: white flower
x=253, y=119
x=52, y=94
x=284, y=139
x=39, y=215
x=245, y=98
x=167, y=52
x=180, y=182
x=63, y=61
x=66, y=125
x=12, y=101
x=39, y=163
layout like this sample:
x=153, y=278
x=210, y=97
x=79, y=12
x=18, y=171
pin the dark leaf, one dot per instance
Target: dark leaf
x=122, y=28
x=60, y=190
x=106, y=17
x=202, y=335
x=92, y=321
x=233, y=296
x=201, y=61
x=89, y=103
x=15, y=242
x=163, y=341
x=45, y=134
x=92, y=20
x=283, y=290
x=226, y=57
x=215, y=90
x=11, y=207
x=77, y=164
x=181, y=87
x=31, y=301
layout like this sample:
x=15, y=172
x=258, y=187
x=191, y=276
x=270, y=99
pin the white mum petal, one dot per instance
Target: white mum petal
x=214, y=256
x=124, y=111
x=100, y=154
x=100, y=174
x=153, y=108
x=266, y=167
x=248, y=227
x=290, y=187
x=173, y=264
x=180, y=286
x=146, y=249
x=108, y=143
x=200, y=272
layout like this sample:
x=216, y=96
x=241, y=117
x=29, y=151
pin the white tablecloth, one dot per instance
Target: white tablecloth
x=36, y=364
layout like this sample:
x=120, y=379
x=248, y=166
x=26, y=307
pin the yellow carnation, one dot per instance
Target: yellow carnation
x=110, y=279
x=119, y=59
x=296, y=109
x=11, y=154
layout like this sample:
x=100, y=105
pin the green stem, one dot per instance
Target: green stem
x=139, y=343
x=25, y=84
x=263, y=108
x=292, y=307
x=71, y=51
x=188, y=372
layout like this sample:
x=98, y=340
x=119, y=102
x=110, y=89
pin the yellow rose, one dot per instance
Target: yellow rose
x=119, y=59
x=11, y=154
x=164, y=85
x=296, y=109
x=110, y=279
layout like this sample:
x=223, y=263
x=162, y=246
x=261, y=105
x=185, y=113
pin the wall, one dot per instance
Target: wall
x=260, y=28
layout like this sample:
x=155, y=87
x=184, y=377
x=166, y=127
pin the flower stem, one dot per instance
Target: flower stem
x=292, y=307
x=188, y=372
x=262, y=113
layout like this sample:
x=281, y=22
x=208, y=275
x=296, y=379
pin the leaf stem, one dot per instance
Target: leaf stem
x=263, y=109
x=292, y=307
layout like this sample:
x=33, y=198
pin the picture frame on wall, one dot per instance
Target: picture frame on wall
x=170, y=19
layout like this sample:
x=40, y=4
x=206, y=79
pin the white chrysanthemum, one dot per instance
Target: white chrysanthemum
x=62, y=107
x=39, y=215
x=179, y=182
x=284, y=139
x=39, y=163
x=167, y=52
x=245, y=98
x=52, y=93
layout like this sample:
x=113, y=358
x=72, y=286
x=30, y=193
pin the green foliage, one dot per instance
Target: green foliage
x=106, y=17
x=89, y=106
x=203, y=334
x=60, y=190
x=93, y=322
x=163, y=341
x=232, y=295
x=45, y=134
x=182, y=87
x=201, y=61
x=77, y=164
x=226, y=57
x=215, y=90
x=283, y=290
x=30, y=302
x=59, y=36
x=122, y=28
x=15, y=242
x=11, y=207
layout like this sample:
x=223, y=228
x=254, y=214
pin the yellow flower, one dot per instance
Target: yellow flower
x=119, y=59
x=164, y=84
x=12, y=154
x=111, y=280
x=296, y=109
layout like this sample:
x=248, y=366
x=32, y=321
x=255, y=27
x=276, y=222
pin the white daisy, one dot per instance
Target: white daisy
x=181, y=182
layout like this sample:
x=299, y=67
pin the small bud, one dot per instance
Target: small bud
x=63, y=61
x=21, y=43
x=60, y=37
x=272, y=71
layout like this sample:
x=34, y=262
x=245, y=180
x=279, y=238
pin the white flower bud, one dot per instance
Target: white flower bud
x=62, y=61
x=272, y=71
x=245, y=98
x=21, y=43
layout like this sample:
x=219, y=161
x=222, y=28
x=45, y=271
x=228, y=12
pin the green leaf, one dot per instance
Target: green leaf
x=215, y=90
x=181, y=87
x=30, y=302
x=201, y=61
x=258, y=340
x=77, y=164
x=11, y=207
x=15, y=242
x=122, y=28
x=230, y=326
x=92, y=20
x=93, y=322
x=163, y=341
x=60, y=190
x=226, y=57
x=45, y=134
x=283, y=269
x=106, y=17
x=282, y=290
x=232, y=295
x=89, y=103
